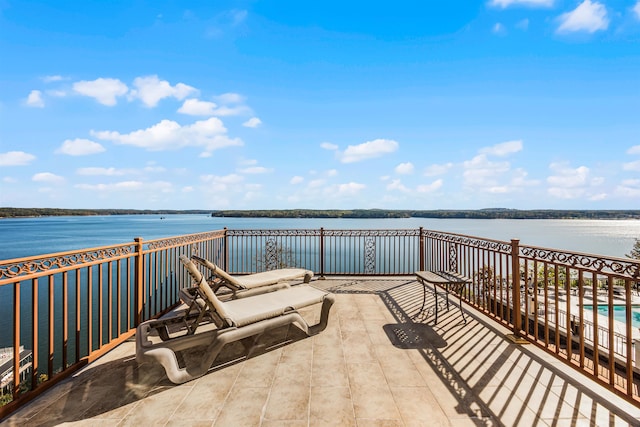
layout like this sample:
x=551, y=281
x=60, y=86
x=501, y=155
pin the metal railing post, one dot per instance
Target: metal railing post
x=515, y=287
x=139, y=279
x=421, y=250
x=321, y=252
x=226, y=249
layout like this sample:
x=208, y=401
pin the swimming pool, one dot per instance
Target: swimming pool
x=619, y=313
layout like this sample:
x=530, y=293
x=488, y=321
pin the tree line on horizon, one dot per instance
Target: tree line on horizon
x=493, y=213
x=454, y=214
x=471, y=214
x=36, y=212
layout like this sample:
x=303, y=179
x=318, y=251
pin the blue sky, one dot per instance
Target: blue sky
x=520, y=104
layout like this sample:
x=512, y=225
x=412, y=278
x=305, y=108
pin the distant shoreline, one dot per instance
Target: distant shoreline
x=338, y=213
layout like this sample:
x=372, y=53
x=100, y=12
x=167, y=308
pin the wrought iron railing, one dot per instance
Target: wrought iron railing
x=70, y=308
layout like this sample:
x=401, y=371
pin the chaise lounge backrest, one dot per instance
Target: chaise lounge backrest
x=265, y=281
x=215, y=305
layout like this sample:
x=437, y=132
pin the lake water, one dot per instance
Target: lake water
x=23, y=237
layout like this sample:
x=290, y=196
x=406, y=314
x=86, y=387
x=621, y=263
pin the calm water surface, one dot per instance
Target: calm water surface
x=36, y=236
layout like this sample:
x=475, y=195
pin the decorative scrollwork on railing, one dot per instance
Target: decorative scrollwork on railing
x=271, y=254
x=39, y=265
x=475, y=242
x=369, y=255
x=453, y=258
x=183, y=240
x=302, y=232
x=623, y=267
x=326, y=233
x=372, y=233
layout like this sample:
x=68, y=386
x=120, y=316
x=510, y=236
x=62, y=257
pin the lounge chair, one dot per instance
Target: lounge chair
x=223, y=323
x=252, y=284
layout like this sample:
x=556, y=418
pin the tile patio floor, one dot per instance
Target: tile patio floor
x=372, y=366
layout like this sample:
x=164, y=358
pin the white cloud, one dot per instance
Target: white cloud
x=57, y=93
x=629, y=188
x=226, y=179
x=16, y=158
x=253, y=122
x=348, y=189
x=97, y=171
x=316, y=183
x=238, y=110
x=566, y=193
x=632, y=166
x=47, y=177
x=434, y=170
x=567, y=177
x=154, y=169
x=636, y=9
x=152, y=188
x=396, y=185
x=35, y=99
x=430, y=188
x=195, y=107
x=150, y=90
x=296, y=180
x=332, y=172
x=588, y=16
x=169, y=135
x=255, y=170
x=598, y=197
x=636, y=148
x=404, y=168
x=230, y=98
x=627, y=192
x=49, y=79
x=482, y=173
x=368, y=150
x=217, y=183
x=105, y=91
x=570, y=183
x=328, y=146
x=531, y=3
x=9, y=180
x=520, y=179
x=80, y=147
x=498, y=28
x=503, y=149
x=523, y=24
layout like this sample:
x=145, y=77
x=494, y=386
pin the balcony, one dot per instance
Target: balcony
x=380, y=361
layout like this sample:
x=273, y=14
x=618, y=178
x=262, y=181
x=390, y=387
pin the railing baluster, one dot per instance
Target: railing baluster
x=612, y=370
x=34, y=336
x=16, y=339
x=78, y=314
x=515, y=286
x=51, y=331
x=65, y=320
x=100, y=305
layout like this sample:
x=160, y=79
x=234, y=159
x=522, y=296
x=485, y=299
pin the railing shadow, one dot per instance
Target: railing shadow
x=109, y=390
x=493, y=379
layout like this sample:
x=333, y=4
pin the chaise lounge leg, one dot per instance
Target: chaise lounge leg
x=327, y=302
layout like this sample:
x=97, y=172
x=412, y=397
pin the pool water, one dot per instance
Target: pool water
x=619, y=313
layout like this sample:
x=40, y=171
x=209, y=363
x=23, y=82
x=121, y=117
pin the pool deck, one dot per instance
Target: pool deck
x=379, y=363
